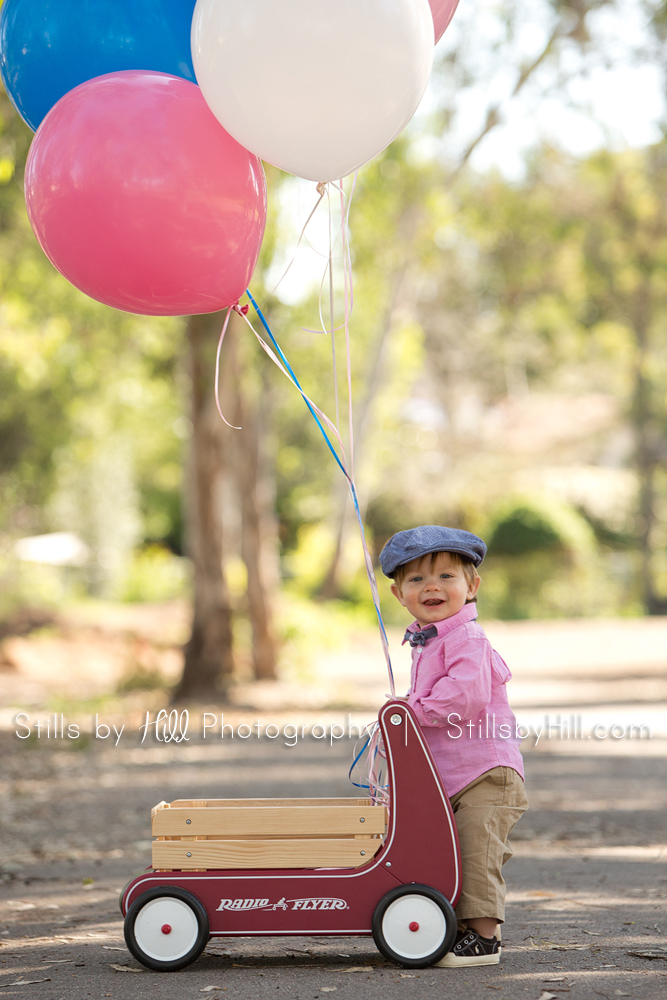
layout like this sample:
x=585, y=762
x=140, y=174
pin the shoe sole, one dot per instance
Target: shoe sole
x=467, y=961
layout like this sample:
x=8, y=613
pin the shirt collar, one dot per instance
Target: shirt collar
x=468, y=613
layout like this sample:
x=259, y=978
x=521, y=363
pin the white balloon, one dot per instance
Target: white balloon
x=316, y=87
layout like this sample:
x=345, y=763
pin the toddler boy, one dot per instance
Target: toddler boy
x=459, y=696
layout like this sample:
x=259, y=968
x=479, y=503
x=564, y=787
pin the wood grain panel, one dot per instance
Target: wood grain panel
x=270, y=821
x=172, y=855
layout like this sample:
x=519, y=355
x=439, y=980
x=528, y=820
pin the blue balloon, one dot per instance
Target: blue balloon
x=48, y=47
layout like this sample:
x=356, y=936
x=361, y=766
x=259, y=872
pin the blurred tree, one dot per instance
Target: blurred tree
x=390, y=211
x=209, y=664
x=254, y=465
x=623, y=207
x=393, y=215
x=472, y=296
x=557, y=284
x=87, y=395
x=228, y=464
x=91, y=427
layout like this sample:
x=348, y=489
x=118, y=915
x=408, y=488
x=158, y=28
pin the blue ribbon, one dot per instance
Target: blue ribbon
x=355, y=762
x=353, y=491
x=297, y=383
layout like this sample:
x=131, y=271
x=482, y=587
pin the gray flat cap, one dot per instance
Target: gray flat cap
x=405, y=546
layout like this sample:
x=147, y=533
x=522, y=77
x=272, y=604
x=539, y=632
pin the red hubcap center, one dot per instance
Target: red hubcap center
x=166, y=928
x=414, y=926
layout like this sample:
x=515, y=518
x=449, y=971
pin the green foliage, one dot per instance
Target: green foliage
x=29, y=585
x=536, y=524
x=543, y=562
x=155, y=574
x=547, y=584
x=487, y=316
x=141, y=679
x=90, y=400
x=519, y=299
x=521, y=531
x=306, y=626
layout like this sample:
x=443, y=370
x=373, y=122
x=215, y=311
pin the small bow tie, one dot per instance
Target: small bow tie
x=420, y=637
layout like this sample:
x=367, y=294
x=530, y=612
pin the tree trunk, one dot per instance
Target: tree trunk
x=258, y=528
x=330, y=587
x=209, y=660
x=647, y=438
x=646, y=459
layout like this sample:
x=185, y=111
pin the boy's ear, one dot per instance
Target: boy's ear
x=473, y=587
x=396, y=591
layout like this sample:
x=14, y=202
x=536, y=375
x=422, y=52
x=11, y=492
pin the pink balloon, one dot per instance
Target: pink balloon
x=443, y=11
x=140, y=198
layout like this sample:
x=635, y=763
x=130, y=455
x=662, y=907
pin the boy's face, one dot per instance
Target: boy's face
x=433, y=593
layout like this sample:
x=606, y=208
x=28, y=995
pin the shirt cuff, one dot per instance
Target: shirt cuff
x=424, y=718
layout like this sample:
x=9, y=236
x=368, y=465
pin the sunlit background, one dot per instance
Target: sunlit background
x=508, y=370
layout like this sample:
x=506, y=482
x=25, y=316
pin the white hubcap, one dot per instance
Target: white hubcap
x=167, y=912
x=414, y=909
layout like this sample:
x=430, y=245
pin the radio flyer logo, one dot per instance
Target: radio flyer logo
x=318, y=903
x=304, y=903
x=244, y=904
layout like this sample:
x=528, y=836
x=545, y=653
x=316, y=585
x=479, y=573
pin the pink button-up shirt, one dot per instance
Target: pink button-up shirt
x=458, y=692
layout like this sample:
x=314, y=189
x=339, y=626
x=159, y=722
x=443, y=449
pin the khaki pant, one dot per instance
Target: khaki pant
x=486, y=812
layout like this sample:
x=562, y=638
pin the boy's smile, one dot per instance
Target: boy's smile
x=433, y=591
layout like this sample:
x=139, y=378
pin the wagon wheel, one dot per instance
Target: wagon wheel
x=414, y=925
x=166, y=928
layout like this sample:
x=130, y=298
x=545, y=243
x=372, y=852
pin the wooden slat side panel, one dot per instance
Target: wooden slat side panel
x=159, y=807
x=240, y=854
x=283, y=821
x=241, y=803
x=373, y=838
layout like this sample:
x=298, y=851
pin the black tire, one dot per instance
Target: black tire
x=160, y=908
x=421, y=945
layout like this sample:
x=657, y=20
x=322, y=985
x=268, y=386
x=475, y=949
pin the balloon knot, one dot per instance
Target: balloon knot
x=321, y=187
x=241, y=310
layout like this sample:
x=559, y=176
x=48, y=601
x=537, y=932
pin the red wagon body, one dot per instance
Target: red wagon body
x=404, y=895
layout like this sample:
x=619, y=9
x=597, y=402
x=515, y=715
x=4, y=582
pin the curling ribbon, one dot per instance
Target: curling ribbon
x=319, y=418
x=378, y=792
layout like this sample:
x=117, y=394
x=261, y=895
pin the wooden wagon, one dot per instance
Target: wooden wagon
x=247, y=867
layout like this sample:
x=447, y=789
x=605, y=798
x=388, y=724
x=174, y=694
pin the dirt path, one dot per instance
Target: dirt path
x=587, y=885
